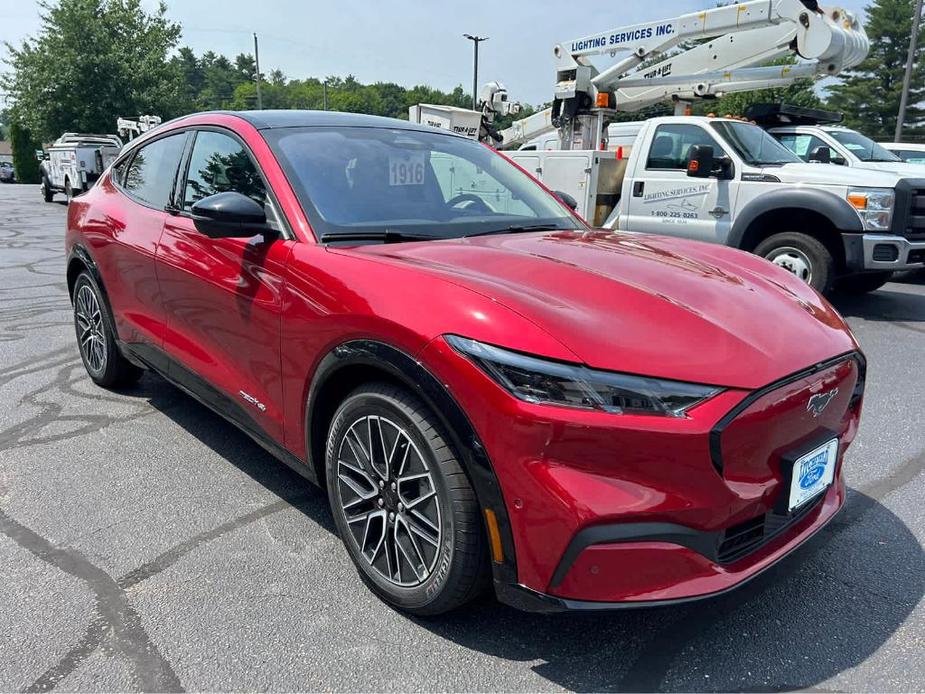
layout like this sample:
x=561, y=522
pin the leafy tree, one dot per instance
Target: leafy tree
x=870, y=93
x=24, y=145
x=92, y=61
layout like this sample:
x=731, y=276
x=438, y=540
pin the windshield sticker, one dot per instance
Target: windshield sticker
x=406, y=169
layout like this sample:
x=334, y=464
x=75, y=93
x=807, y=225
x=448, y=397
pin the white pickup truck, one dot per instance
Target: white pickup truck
x=727, y=181
x=73, y=163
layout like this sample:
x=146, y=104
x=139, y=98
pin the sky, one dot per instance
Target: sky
x=404, y=41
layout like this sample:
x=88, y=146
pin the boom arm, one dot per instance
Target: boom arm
x=736, y=41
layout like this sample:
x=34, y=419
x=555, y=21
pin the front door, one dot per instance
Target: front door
x=223, y=296
x=665, y=200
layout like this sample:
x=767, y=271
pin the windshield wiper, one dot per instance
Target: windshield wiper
x=517, y=229
x=386, y=236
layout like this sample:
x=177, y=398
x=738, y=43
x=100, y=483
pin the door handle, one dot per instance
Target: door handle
x=718, y=212
x=638, y=188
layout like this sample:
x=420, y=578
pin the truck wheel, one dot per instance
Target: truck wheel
x=47, y=193
x=801, y=255
x=68, y=191
x=862, y=284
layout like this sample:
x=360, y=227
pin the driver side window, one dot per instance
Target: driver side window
x=801, y=145
x=672, y=144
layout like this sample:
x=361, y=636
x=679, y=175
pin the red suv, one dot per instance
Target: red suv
x=487, y=388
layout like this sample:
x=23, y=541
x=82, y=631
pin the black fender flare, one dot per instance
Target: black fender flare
x=414, y=375
x=837, y=210
x=81, y=254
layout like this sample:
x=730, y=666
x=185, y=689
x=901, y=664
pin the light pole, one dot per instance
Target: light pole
x=476, y=40
x=910, y=65
x=257, y=67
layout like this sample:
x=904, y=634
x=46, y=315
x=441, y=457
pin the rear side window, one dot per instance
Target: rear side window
x=220, y=164
x=672, y=145
x=151, y=172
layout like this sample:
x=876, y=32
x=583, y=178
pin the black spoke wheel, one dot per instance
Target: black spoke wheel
x=96, y=339
x=402, y=504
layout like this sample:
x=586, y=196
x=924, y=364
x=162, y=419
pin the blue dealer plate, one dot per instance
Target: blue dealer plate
x=813, y=473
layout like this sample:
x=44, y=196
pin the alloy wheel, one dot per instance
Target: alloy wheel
x=90, y=329
x=388, y=499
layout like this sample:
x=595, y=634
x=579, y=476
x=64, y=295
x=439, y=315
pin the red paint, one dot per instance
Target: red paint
x=259, y=316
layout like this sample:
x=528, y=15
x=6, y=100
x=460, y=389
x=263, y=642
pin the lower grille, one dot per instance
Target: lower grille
x=916, y=221
x=741, y=540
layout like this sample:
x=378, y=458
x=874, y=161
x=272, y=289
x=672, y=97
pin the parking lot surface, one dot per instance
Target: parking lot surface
x=146, y=544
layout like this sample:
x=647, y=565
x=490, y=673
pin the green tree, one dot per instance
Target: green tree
x=24, y=162
x=869, y=94
x=92, y=61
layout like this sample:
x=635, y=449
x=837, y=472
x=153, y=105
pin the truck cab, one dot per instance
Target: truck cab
x=726, y=181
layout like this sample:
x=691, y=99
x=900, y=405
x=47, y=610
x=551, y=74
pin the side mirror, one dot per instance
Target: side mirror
x=701, y=162
x=839, y=160
x=566, y=199
x=821, y=155
x=229, y=215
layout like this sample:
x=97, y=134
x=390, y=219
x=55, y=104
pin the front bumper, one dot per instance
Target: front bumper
x=609, y=511
x=883, y=252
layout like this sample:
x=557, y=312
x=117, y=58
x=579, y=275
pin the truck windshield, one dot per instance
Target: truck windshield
x=754, y=145
x=387, y=184
x=862, y=147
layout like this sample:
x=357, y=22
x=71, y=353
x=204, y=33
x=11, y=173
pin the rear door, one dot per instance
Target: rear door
x=224, y=295
x=665, y=200
x=126, y=235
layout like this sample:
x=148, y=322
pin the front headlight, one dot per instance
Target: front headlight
x=540, y=381
x=874, y=206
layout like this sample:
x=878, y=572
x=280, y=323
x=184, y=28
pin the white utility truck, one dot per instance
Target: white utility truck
x=715, y=179
x=74, y=162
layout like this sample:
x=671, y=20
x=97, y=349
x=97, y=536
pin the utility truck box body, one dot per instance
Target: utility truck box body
x=458, y=120
x=75, y=161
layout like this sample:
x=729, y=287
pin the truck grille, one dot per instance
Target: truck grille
x=915, y=227
x=741, y=540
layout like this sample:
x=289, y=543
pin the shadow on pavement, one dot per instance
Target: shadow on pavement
x=883, y=305
x=825, y=609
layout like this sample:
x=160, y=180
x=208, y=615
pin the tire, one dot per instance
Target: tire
x=802, y=255
x=863, y=284
x=68, y=190
x=47, y=193
x=414, y=533
x=96, y=338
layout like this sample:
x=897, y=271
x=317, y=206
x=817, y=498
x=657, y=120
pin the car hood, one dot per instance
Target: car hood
x=644, y=304
x=834, y=175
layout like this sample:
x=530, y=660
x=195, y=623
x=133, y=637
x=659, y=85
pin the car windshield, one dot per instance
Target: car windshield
x=409, y=184
x=862, y=147
x=754, y=145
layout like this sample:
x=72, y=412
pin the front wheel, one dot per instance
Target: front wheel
x=402, y=503
x=801, y=255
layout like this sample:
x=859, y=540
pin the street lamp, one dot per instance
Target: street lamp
x=476, y=40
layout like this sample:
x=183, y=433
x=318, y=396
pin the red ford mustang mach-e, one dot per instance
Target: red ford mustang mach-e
x=487, y=388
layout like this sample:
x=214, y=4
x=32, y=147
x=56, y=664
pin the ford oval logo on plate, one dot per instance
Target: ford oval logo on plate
x=812, y=476
x=813, y=473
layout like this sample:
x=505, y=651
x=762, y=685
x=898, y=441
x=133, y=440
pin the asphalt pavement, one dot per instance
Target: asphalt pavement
x=146, y=544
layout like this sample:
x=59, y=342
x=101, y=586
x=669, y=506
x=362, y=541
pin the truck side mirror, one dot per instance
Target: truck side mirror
x=566, y=199
x=701, y=161
x=821, y=155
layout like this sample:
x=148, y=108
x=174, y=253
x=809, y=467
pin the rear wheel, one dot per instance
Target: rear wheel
x=68, y=190
x=96, y=338
x=47, y=193
x=862, y=284
x=801, y=255
x=402, y=504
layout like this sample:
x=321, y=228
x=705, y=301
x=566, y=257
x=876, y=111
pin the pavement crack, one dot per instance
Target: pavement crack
x=117, y=618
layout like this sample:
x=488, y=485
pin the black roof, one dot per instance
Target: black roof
x=266, y=120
